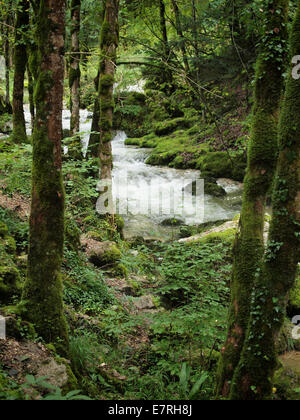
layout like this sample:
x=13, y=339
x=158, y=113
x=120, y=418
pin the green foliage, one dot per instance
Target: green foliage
x=15, y=165
x=84, y=289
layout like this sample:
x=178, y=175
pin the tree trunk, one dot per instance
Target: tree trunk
x=7, y=62
x=109, y=42
x=31, y=99
x=95, y=134
x=262, y=156
x=180, y=34
x=42, y=296
x=167, y=74
x=20, y=61
x=254, y=375
x=74, y=74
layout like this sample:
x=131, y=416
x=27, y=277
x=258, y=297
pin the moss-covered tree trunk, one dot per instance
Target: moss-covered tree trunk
x=20, y=61
x=109, y=40
x=42, y=296
x=95, y=130
x=253, y=377
x=262, y=157
x=74, y=73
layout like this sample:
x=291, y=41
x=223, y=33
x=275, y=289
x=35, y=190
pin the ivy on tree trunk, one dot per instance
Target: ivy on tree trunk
x=262, y=157
x=254, y=375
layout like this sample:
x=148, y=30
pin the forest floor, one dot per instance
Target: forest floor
x=146, y=318
x=166, y=314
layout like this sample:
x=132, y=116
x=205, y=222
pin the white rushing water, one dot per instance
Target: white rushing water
x=129, y=164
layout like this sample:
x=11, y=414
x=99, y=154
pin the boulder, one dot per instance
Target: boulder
x=100, y=253
x=144, y=303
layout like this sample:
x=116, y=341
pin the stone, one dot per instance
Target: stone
x=144, y=303
x=56, y=373
x=100, y=253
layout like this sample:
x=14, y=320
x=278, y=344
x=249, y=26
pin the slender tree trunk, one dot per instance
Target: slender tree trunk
x=167, y=74
x=109, y=40
x=254, y=375
x=180, y=34
x=95, y=134
x=7, y=62
x=262, y=157
x=20, y=61
x=42, y=296
x=74, y=74
x=31, y=99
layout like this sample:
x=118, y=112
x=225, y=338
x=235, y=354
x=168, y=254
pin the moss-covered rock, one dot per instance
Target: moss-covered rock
x=169, y=126
x=287, y=379
x=285, y=341
x=294, y=300
x=211, y=188
x=101, y=253
x=172, y=222
x=222, y=165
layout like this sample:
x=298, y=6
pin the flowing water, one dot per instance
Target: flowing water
x=145, y=182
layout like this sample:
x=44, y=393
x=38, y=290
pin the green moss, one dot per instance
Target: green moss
x=121, y=271
x=225, y=237
x=42, y=302
x=10, y=280
x=286, y=380
x=106, y=82
x=167, y=127
x=74, y=74
x=10, y=284
x=105, y=125
x=294, y=300
x=72, y=235
x=222, y=165
x=3, y=230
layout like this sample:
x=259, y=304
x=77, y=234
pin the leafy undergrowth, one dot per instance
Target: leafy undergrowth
x=119, y=351
x=167, y=353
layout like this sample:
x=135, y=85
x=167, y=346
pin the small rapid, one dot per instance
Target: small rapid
x=129, y=165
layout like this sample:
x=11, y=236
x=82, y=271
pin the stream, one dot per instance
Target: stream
x=145, y=181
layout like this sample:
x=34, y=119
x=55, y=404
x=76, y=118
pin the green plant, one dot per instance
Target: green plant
x=187, y=391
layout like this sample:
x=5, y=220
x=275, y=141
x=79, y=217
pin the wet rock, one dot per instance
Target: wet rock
x=172, y=222
x=210, y=188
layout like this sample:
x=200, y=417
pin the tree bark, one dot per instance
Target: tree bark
x=109, y=41
x=7, y=62
x=31, y=98
x=42, y=297
x=180, y=34
x=167, y=74
x=20, y=61
x=95, y=134
x=254, y=374
x=262, y=157
x=74, y=74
